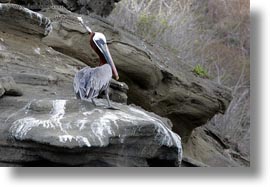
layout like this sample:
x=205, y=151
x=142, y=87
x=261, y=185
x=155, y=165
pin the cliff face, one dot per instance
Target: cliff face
x=42, y=52
x=179, y=95
x=46, y=125
x=99, y=7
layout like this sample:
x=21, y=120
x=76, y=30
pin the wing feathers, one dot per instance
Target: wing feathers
x=90, y=82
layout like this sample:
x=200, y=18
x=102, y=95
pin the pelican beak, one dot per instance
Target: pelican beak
x=105, y=51
x=109, y=60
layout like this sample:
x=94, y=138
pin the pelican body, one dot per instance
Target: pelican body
x=89, y=82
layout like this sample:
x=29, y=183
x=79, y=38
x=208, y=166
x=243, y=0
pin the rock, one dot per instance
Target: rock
x=86, y=135
x=26, y=20
x=205, y=147
x=189, y=162
x=99, y=7
x=189, y=101
x=118, y=91
x=9, y=87
x=129, y=137
x=36, y=67
x=44, y=69
x=2, y=90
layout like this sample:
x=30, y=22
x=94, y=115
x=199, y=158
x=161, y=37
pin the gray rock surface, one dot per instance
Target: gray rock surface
x=9, y=87
x=38, y=69
x=26, y=20
x=76, y=133
x=189, y=101
x=99, y=7
x=128, y=137
x=43, y=68
x=205, y=147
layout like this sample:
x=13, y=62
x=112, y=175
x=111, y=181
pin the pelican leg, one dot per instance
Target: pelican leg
x=96, y=105
x=93, y=101
x=108, y=100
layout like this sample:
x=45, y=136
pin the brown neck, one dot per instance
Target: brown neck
x=95, y=48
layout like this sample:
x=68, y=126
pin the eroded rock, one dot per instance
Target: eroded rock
x=9, y=87
x=45, y=70
x=87, y=135
x=38, y=69
x=99, y=7
x=189, y=101
x=26, y=21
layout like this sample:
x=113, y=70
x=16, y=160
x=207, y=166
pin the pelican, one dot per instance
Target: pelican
x=89, y=83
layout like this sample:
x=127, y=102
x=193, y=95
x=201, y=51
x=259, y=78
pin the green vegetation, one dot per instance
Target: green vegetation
x=198, y=70
x=150, y=27
x=213, y=36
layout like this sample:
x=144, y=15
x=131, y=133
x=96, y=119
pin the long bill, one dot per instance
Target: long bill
x=105, y=50
x=109, y=60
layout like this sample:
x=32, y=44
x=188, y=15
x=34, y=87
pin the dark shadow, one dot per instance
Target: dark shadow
x=199, y=173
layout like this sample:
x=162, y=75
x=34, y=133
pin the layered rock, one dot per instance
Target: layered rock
x=189, y=101
x=47, y=126
x=43, y=68
x=206, y=148
x=99, y=7
x=26, y=21
x=37, y=67
x=75, y=133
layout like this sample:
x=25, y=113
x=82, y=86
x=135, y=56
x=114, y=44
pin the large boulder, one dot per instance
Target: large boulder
x=66, y=131
x=44, y=67
x=26, y=21
x=188, y=100
x=206, y=148
x=69, y=132
x=99, y=7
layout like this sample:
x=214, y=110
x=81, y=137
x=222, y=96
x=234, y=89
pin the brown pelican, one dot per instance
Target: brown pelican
x=89, y=83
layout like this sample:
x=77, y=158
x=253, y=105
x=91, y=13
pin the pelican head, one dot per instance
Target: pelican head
x=101, y=43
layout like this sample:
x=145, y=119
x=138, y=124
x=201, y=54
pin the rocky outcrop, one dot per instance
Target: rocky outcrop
x=99, y=7
x=47, y=126
x=35, y=66
x=189, y=101
x=9, y=87
x=205, y=148
x=26, y=20
x=68, y=132
x=43, y=66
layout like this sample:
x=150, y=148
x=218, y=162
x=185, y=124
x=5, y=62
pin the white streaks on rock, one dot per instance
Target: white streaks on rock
x=94, y=128
x=81, y=124
x=65, y=138
x=82, y=141
x=37, y=50
x=170, y=138
x=22, y=126
x=58, y=109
